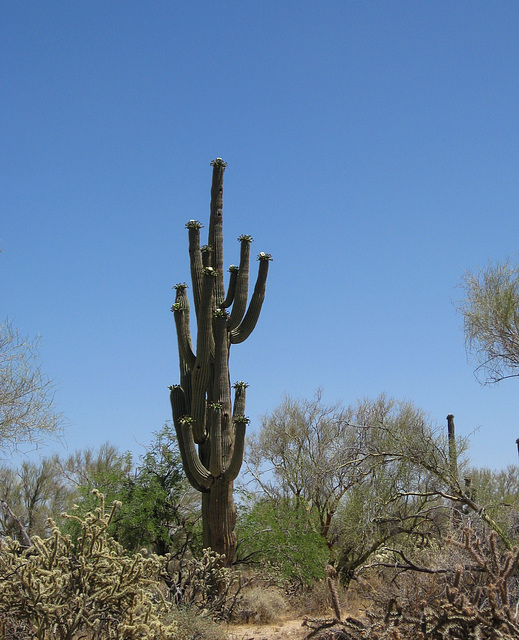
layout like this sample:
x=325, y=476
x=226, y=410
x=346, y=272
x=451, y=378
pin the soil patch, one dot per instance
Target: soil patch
x=283, y=630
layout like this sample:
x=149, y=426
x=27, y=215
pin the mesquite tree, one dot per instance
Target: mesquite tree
x=210, y=427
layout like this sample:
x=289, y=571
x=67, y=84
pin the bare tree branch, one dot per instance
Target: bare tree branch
x=27, y=413
x=17, y=522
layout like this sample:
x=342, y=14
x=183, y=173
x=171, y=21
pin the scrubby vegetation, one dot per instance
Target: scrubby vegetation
x=416, y=553
x=470, y=594
x=57, y=587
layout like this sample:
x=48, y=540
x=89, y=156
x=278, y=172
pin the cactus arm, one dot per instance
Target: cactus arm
x=179, y=407
x=183, y=338
x=222, y=393
x=201, y=376
x=207, y=253
x=240, y=425
x=233, y=270
x=195, y=469
x=248, y=323
x=185, y=383
x=195, y=259
x=242, y=288
x=222, y=386
x=204, y=338
x=178, y=402
x=181, y=312
x=240, y=394
x=216, y=459
x=216, y=226
x=237, y=455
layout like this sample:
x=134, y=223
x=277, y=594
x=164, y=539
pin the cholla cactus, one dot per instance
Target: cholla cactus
x=91, y=587
x=210, y=428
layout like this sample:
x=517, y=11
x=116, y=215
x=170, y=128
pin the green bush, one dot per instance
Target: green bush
x=159, y=510
x=283, y=537
x=57, y=588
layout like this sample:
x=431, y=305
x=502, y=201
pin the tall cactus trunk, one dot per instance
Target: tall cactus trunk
x=210, y=427
x=219, y=518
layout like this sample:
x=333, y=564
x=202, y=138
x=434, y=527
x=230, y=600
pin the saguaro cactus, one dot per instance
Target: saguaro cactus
x=210, y=428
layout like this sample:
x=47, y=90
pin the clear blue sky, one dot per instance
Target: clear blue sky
x=372, y=148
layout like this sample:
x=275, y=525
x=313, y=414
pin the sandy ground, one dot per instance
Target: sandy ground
x=285, y=630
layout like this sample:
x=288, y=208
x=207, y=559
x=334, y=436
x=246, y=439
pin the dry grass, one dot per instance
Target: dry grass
x=192, y=625
x=261, y=606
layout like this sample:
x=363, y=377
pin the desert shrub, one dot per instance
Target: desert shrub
x=191, y=624
x=416, y=580
x=475, y=599
x=317, y=600
x=261, y=605
x=57, y=588
x=13, y=630
x=478, y=598
x=203, y=583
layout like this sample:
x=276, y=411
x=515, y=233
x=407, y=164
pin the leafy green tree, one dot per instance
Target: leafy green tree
x=490, y=311
x=496, y=487
x=282, y=537
x=39, y=490
x=27, y=412
x=398, y=500
x=391, y=508
x=158, y=509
